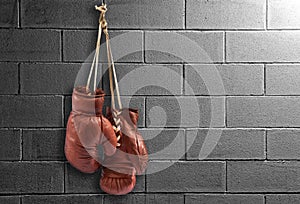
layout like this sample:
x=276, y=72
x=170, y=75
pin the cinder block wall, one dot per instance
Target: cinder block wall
x=255, y=45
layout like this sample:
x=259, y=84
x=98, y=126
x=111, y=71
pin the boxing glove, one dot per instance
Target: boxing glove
x=131, y=157
x=133, y=143
x=88, y=131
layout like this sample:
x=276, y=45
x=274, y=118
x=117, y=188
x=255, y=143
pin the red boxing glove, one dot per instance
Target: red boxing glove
x=87, y=130
x=131, y=158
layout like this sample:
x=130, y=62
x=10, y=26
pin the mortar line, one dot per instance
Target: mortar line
x=145, y=110
x=217, y=160
x=144, y=46
x=162, y=95
x=185, y=145
x=266, y=145
x=19, y=14
x=225, y=47
x=158, y=128
x=19, y=78
x=21, y=145
x=172, y=128
x=183, y=79
x=160, y=63
x=223, y=160
x=265, y=80
x=155, y=192
x=169, y=128
x=184, y=16
x=226, y=176
x=161, y=29
x=225, y=112
x=62, y=45
x=35, y=128
x=267, y=13
x=34, y=161
x=63, y=110
x=265, y=199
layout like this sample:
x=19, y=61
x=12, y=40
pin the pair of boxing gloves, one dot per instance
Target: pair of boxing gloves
x=89, y=132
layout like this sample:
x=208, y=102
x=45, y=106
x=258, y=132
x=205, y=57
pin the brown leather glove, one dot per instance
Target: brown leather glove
x=87, y=131
x=131, y=158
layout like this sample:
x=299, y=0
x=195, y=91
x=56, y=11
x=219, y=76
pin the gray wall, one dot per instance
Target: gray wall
x=254, y=45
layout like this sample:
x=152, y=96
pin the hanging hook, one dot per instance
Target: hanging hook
x=102, y=20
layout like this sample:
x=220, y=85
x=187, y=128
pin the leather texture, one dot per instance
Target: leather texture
x=131, y=158
x=88, y=131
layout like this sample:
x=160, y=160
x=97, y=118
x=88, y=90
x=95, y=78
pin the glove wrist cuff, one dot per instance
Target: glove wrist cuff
x=84, y=102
